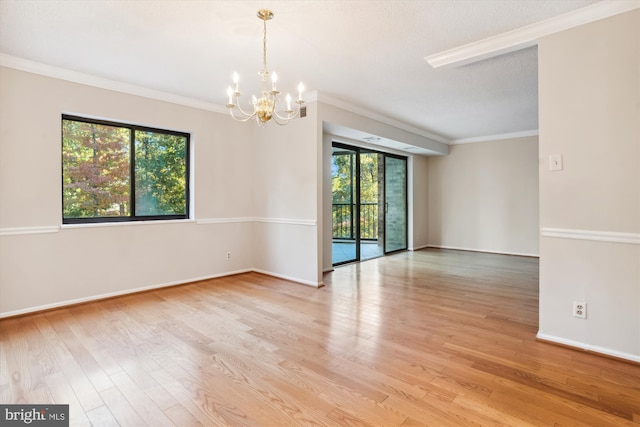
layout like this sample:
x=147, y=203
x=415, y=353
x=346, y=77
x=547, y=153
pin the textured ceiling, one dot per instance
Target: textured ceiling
x=366, y=53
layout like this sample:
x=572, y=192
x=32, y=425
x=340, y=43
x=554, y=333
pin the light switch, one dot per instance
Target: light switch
x=555, y=162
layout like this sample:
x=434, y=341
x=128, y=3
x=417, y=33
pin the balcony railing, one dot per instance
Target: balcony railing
x=343, y=221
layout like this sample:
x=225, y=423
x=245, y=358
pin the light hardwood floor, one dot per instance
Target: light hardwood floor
x=442, y=338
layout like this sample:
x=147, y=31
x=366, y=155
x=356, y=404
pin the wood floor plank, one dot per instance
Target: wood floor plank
x=62, y=393
x=88, y=325
x=420, y=414
x=181, y=417
x=193, y=404
x=76, y=346
x=158, y=394
x=100, y=417
x=80, y=383
x=121, y=409
x=424, y=338
x=138, y=399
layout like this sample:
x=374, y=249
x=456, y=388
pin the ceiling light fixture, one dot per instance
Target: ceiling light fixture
x=265, y=107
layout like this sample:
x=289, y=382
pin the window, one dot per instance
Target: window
x=118, y=172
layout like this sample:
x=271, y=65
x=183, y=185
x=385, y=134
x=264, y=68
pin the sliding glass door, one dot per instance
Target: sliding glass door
x=344, y=207
x=369, y=203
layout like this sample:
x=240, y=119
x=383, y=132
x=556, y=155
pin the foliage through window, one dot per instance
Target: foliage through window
x=119, y=172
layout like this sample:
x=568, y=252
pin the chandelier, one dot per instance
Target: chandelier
x=264, y=108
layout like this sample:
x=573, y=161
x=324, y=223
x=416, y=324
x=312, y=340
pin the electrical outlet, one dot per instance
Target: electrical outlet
x=555, y=162
x=580, y=309
x=228, y=255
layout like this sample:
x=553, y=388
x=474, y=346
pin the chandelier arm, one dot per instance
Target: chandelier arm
x=244, y=113
x=290, y=116
x=276, y=118
x=246, y=117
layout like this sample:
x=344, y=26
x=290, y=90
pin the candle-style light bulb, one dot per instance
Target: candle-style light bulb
x=274, y=79
x=288, y=102
x=236, y=79
x=300, y=90
x=230, y=93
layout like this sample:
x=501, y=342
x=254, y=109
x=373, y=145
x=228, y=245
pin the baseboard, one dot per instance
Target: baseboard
x=486, y=251
x=289, y=278
x=68, y=303
x=417, y=248
x=577, y=345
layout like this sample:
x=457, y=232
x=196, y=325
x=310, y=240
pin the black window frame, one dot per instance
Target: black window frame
x=132, y=180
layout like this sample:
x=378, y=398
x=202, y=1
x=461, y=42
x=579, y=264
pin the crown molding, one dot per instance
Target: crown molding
x=42, y=69
x=529, y=35
x=497, y=137
x=34, y=67
x=311, y=96
x=327, y=99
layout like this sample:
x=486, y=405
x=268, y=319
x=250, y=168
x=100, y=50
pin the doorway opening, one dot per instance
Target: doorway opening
x=369, y=203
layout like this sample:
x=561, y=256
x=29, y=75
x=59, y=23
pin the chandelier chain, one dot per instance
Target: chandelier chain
x=264, y=44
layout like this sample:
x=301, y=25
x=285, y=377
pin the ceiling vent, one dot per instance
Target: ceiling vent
x=372, y=139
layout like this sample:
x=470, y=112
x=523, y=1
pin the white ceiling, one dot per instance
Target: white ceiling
x=366, y=53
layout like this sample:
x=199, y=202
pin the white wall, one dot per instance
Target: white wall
x=285, y=197
x=589, y=92
x=484, y=197
x=419, y=202
x=42, y=264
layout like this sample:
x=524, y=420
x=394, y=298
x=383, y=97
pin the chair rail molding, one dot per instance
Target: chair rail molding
x=290, y=221
x=598, y=236
x=18, y=231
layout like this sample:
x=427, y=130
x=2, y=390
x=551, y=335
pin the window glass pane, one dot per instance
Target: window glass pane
x=119, y=172
x=95, y=170
x=396, y=199
x=160, y=168
x=342, y=176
